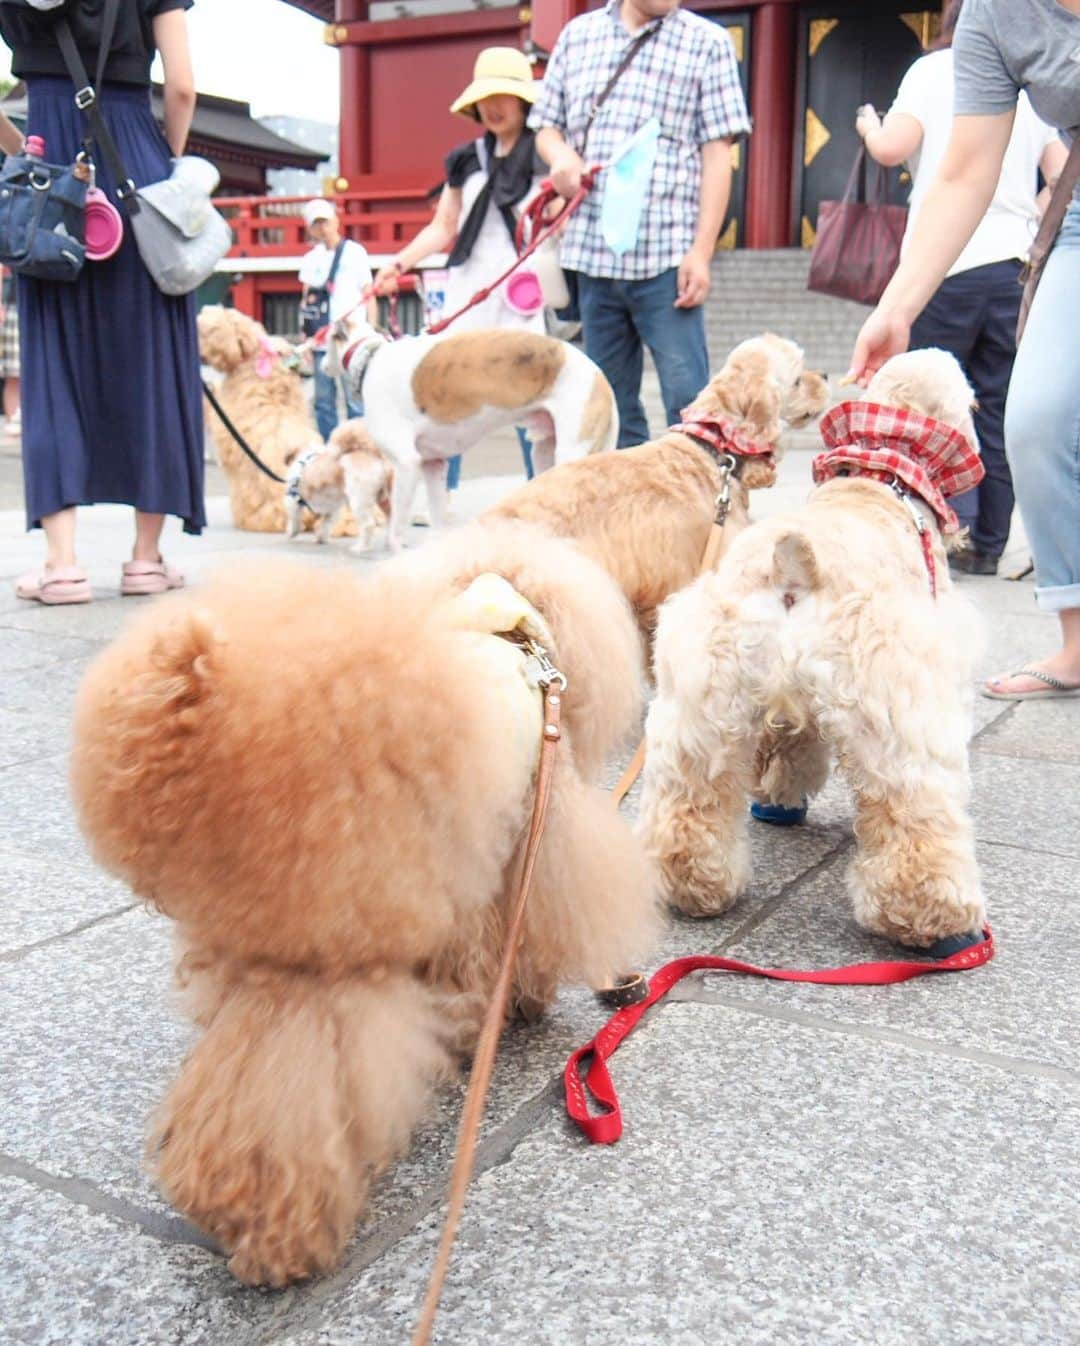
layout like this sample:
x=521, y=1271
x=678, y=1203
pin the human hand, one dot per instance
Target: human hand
x=883, y=335
x=694, y=280
x=867, y=120
x=565, y=172
x=386, y=281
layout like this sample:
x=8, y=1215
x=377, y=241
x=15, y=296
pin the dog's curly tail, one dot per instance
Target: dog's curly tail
x=795, y=568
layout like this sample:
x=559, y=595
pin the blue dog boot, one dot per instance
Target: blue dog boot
x=951, y=944
x=778, y=815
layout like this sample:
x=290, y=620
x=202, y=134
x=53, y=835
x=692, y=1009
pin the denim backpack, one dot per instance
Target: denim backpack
x=42, y=213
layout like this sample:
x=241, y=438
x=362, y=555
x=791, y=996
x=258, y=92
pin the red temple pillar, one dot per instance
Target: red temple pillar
x=772, y=105
x=354, y=139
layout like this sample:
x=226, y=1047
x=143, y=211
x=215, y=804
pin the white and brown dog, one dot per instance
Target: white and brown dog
x=348, y=470
x=429, y=398
x=833, y=629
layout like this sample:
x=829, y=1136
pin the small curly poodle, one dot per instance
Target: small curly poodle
x=325, y=780
x=264, y=398
x=832, y=630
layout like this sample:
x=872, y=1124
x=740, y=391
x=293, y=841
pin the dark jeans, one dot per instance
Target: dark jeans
x=973, y=315
x=619, y=318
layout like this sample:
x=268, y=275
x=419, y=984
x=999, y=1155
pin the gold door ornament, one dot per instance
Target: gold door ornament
x=819, y=31
x=815, y=137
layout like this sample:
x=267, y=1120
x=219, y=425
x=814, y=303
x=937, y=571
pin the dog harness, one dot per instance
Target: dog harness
x=356, y=359
x=296, y=471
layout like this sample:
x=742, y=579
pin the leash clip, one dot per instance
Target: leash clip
x=549, y=675
x=722, y=503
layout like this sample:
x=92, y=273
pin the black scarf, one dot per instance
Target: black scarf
x=508, y=181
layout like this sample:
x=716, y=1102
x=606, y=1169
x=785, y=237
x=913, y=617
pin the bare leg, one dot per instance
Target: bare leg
x=60, y=537
x=147, y=536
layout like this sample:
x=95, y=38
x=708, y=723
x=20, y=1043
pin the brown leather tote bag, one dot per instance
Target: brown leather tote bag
x=1049, y=228
x=858, y=239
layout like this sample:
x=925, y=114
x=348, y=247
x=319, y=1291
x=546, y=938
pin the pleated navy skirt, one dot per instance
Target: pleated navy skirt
x=111, y=393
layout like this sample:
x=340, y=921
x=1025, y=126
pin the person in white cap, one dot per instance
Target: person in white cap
x=488, y=182
x=334, y=276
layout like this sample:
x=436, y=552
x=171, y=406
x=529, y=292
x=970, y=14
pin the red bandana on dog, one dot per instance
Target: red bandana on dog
x=722, y=434
x=928, y=457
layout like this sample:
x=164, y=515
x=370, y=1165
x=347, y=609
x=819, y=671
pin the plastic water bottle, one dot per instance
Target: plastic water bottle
x=34, y=147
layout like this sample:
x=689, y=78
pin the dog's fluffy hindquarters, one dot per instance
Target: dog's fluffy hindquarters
x=820, y=632
x=336, y=843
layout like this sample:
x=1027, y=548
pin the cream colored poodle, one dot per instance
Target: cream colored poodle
x=325, y=780
x=264, y=398
x=645, y=513
x=349, y=472
x=835, y=629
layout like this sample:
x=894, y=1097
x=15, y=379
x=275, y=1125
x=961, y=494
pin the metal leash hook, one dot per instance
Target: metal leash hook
x=549, y=675
x=722, y=503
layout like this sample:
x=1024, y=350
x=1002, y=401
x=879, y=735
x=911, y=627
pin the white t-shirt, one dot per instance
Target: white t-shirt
x=352, y=278
x=491, y=254
x=1008, y=228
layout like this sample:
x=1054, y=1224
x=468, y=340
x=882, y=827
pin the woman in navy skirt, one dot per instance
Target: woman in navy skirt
x=111, y=395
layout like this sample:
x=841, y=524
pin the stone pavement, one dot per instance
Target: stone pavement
x=801, y=1164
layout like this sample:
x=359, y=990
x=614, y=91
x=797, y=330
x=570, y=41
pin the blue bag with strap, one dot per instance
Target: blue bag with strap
x=42, y=216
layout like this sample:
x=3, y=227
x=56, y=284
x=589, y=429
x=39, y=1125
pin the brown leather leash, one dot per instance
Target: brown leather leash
x=728, y=464
x=553, y=683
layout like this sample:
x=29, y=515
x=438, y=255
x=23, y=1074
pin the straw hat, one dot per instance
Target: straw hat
x=497, y=70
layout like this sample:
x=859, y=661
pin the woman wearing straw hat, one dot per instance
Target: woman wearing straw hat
x=488, y=182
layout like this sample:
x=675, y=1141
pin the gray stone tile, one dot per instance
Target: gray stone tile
x=44, y=897
x=1034, y=802
x=22, y=651
x=1022, y=1005
x=27, y=738
x=51, y=695
x=1047, y=730
x=775, y=1185
x=79, y=1277
x=36, y=811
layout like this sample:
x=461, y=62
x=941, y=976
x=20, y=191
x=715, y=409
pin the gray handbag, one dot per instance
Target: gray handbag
x=180, y=236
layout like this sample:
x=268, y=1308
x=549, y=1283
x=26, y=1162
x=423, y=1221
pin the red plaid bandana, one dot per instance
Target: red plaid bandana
x=722, y=434
x=928, y=457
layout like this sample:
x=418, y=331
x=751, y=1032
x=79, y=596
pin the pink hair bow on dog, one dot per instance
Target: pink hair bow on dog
x=266, y=359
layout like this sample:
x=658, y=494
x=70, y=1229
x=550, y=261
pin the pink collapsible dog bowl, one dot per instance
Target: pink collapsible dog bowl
x=523, y=293
x=104, y=226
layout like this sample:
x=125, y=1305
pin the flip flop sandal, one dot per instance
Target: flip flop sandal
x=148, y=577
x=1055, y=689
x=61, y=584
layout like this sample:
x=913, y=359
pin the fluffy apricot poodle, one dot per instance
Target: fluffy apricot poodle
x=326, y=780
x=833, y=630
x=264, y=398
x=645, y=513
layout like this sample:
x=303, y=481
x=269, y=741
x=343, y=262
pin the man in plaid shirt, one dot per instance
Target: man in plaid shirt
x=686, y=76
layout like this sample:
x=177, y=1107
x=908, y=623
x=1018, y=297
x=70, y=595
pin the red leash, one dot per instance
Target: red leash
x=532, y=214
x=596, y=1083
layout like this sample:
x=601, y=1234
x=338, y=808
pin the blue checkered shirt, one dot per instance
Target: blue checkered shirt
x=687, y=76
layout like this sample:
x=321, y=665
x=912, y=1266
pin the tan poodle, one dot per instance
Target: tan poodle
x=645, y=513
x=835, y=629
x=349, y=477
x=264, y=398
x=338, y=837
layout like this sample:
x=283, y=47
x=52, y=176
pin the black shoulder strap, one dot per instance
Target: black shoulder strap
x=86, y=98
x=620, y=70
x=335, y=264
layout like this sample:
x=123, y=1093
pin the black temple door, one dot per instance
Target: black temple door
x=848, y=55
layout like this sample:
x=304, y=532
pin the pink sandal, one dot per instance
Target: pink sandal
x=54, y=585
x=148, y=577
